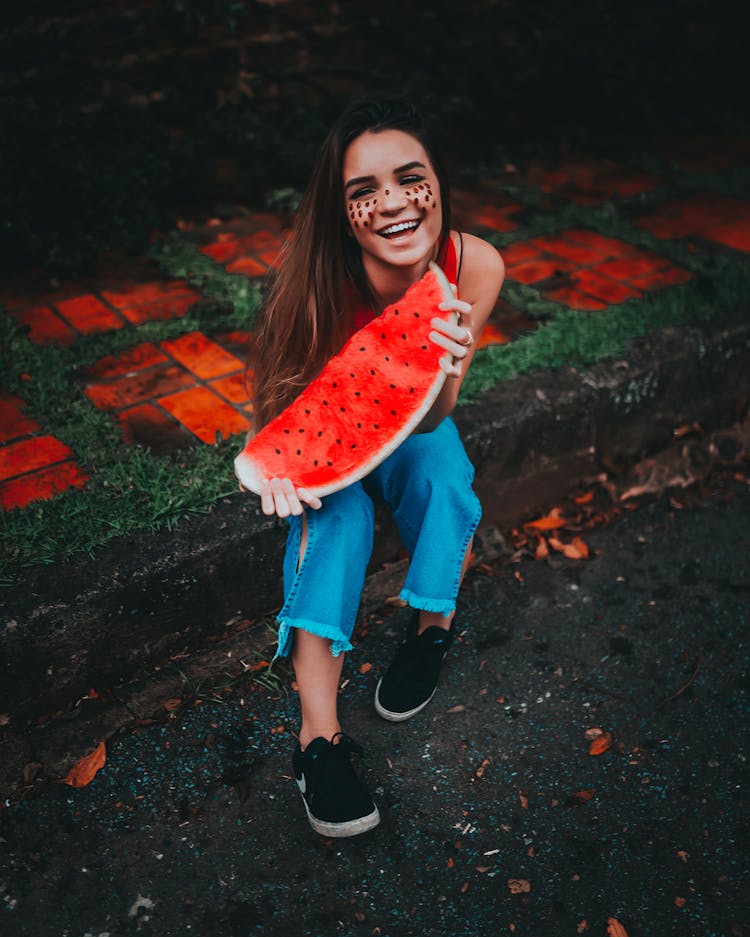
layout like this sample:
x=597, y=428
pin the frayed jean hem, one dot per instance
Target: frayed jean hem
x=338, y=644
x=443, y=606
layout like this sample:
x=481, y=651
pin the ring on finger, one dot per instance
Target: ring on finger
x=468, y=339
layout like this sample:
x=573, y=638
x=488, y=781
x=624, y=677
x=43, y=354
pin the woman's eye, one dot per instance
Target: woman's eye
x=360, y=194
x=411, y=180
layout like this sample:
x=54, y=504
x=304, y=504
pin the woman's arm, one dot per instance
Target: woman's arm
x=482, y=275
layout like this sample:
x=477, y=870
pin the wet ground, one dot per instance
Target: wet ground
x=496, y=818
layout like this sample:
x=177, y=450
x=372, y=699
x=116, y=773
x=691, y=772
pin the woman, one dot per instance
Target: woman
x=362, y=238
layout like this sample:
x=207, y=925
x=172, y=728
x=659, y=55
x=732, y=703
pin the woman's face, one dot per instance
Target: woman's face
x=392, y=198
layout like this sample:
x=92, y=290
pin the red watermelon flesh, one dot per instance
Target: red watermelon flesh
x=363, y=404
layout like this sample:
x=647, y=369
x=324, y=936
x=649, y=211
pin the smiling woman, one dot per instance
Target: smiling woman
x=376, y=214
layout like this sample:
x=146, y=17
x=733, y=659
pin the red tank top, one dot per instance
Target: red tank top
x=446, y=259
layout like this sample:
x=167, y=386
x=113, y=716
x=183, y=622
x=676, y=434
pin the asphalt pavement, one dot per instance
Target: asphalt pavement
x=497, y=817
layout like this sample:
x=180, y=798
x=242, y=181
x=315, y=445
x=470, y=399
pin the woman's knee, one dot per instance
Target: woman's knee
x=348, y=514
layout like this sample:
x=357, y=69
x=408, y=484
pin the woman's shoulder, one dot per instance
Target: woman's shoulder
x=481, y=263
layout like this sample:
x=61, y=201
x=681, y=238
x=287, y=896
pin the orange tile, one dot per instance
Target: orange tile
x=569, y=296
x=45, y=483
x=638, y=264
x=492, y=335
x=238, y=341
x=248, y=267
x=610, y=247
x=537, y=270
x=232, y=388
x=658, y=279
x=577, y=253
x=18, y=458
x=510, y=321
x=271, y=258
x=13, y=421
x=143, y=294
x=172, y=308
x=519, y=252
x=45, y=326
x=205, y=414
x=138, y=387
x=200, y=355
x=263, y=241
x=134, y=359
x=88, y=314
x=608, y=291
x=148, y=425
x=222, y=251
x=735, y=234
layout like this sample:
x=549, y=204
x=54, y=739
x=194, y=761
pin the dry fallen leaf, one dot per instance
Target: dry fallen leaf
x=556, y=544
x=171, y=704
x=524, y=800
x=584, y=795
x=456, y=709
x=551, y=521
x=519, y=886
x=576, y=549
x=601, y=745
x=583, y=926
x=84, y=771
x=585, y=499
x=615, y=929
x=365, y=668
x=542, y=550
x=593, y=733
x=679, y=902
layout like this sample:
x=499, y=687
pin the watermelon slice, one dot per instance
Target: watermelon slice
x=363, y=404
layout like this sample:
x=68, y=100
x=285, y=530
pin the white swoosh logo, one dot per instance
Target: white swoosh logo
x=302, y=784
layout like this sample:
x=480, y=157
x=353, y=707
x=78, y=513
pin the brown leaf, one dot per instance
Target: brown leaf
x=171, y=704
x=524, y=800
x=365, y=668
x=542, y=550
x=601, y=745
x=556, y=544
x=551, y=521
x=576, y=549
x=456, y=709
x=84, y=771
x=593, y=733
x=584, y=795
x=519, y=886
x=583, y=926
x=679, y=902
x=615, y=929
x=585, y=499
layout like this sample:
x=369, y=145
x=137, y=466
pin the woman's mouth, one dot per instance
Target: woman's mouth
x=402, y=229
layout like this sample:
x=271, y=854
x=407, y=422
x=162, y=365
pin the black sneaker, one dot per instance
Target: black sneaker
x=336, y=801
x=411, y=680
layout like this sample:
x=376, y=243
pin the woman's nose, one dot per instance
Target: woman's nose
x=393, y=199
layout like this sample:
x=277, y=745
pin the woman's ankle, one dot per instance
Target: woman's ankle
x=308, y=733
x=434, y=620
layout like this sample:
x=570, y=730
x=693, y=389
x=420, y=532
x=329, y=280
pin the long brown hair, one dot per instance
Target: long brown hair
x=308, y=314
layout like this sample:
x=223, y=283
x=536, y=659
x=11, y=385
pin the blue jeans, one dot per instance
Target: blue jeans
x=427, y=483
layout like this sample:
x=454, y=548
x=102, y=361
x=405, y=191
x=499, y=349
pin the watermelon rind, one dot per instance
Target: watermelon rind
x=252, y=476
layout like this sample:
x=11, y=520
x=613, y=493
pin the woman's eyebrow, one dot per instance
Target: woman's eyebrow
x=405, y=168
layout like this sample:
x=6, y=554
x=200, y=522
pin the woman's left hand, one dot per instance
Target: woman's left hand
x=455, y=339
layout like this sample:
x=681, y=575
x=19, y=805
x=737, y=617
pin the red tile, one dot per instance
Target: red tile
x=495, y=217
x=17, y=458
x=135, y=359
x=45, y=483
x=537, y=270
x=13, y=421
x=248, y=267
x=172, y=308
x=628, y=183
x=138, y=387
x=232, y=388
x=88, y=314
x=205, y=414
x=696, y=214
x=148, y=425
x=510, y=320
x=492, y=335
x=519, y=252
x=143, y=294
x=203, y=357
x=263, y=241
x=238, y=341
x=735, y=234
x=271, y=258
x=577, y=253
x=638, y=264
x=610, y=247
x=661, y=278
x=608, y=291
x=575, y=299
x=45, y=326
x=222, y=251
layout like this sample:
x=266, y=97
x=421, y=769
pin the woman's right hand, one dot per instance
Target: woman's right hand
x=279, y=496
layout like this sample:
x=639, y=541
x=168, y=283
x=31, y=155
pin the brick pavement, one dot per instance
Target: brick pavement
x=193, y=389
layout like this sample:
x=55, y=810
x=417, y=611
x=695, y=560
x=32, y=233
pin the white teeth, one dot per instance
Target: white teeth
x=404, y=226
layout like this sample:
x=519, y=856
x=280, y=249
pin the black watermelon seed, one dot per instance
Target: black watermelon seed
x=338, y=441
x=325, y=403
x=299, y=452
x=393, y=412
x=342, y=409
x=376, y=425
x=359, y=426
x=300, y=431
x=411, y=390
x=278, y=452
x=307, y=412
x=392, y=386
x=357, y=393
x=320, y=433
x=376, y=400
x=363, y=348
x=334, y=384
x=416, y=315
x=331, y=463
x=406, y=364
x=387, y=358
x=395, y=312
x=424, y=347
x=315, y=461
x=351, y=374
x=353, y=445
x=382, y=334
x=371, y=371
x=287, y=431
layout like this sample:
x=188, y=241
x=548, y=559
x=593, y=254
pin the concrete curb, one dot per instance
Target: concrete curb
x=148, y=596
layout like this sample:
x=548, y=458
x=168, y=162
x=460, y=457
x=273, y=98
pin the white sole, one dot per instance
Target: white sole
x=349, y=828
x=398, y=717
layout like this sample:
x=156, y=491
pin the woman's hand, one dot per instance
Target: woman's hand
x=455, y=339
x=279, y=496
